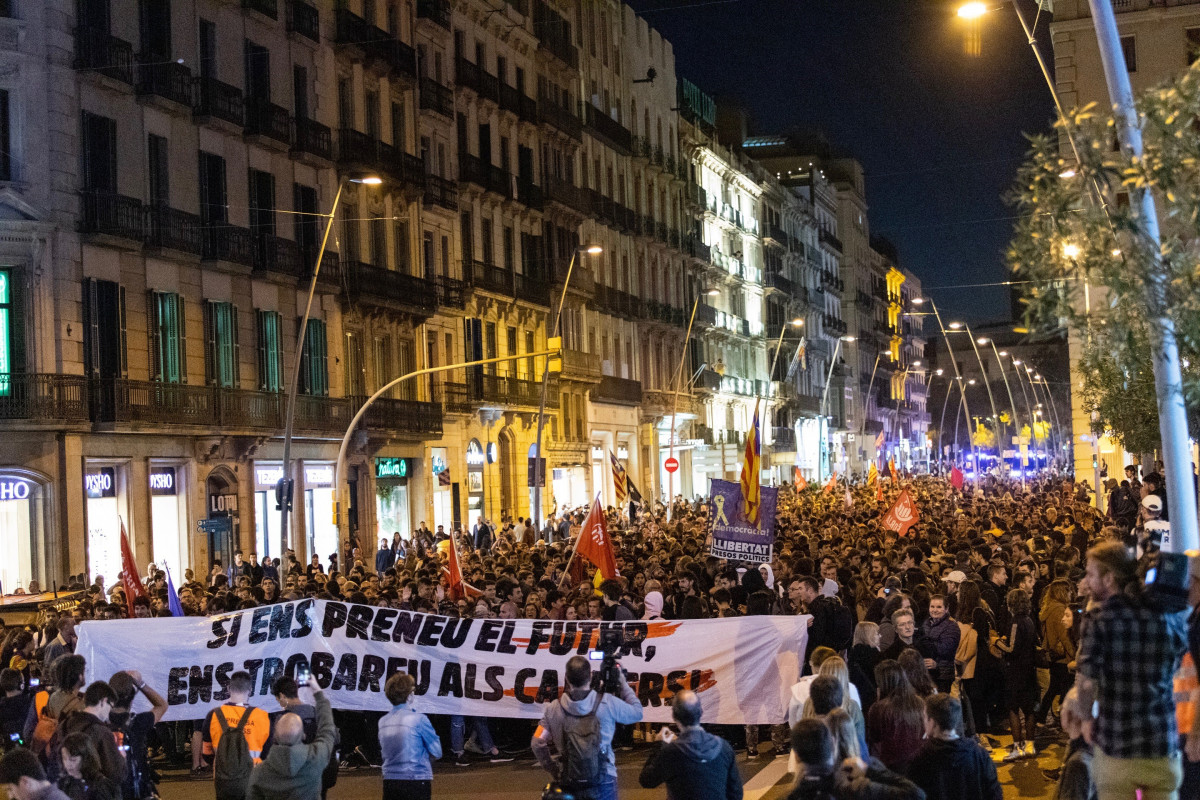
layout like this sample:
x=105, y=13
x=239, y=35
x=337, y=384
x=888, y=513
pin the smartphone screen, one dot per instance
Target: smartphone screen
x=302, y=675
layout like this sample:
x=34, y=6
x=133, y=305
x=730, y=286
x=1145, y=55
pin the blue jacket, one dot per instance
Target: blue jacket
x=384, y=559
x=408, y=742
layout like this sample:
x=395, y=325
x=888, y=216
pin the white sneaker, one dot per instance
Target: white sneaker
x=1015, y=752
x=1029, y=750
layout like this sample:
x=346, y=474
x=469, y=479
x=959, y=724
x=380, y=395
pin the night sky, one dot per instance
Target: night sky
x=940, y=134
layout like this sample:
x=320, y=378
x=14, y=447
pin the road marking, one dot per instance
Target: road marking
x=765, y=780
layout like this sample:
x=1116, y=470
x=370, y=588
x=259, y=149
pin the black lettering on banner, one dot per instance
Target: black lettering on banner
x=649, y=689
x=538, y=635
x=347, y=672
x=295, y=661
x=492, y=676
x=358, y=621
x=335, y=617
x=407, y=627
x=394, y=665
x=675, y=682
x=304, y=618
x=224, y=670
x=586, y=629
x=219, y=634
x=200, y=685
x=420, y=672
x=281, y=622
x=177, y=686
x=272, y=669
x=234, y=629
x=259, y=621
x=372, y=671
x=548, y=689
x=252, y=665
x=321, y=665
x=383, y=621
x=430, y=630
x=519, y=685
x=469, y=690
x=451, y=680
x=635, y=634
x=506, y=645
x=455, y=632
x=562, y=641
x=489, y=630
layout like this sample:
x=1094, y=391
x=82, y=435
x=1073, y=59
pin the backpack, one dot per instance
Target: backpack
x=582, y=763
x=232, y=762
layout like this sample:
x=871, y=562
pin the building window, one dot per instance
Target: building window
x=1129, y=48
x=381, y=361
x=314, y=360
x=159, y=168
x=1192, y=42
x=213, y=203
x=262, y=202
x=168, y=338
x=99, y=153
x=356, y=370
x=6, y=165
x=270, y=352
x=221, y=345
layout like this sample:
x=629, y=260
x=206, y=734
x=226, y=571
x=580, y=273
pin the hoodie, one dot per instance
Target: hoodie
x=654, y=605
x=695, y=766
x=293, y=771
x=610, y=711
x=770, y=576
x=955, y=769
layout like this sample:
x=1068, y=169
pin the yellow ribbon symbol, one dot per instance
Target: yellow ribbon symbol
x=719, y=502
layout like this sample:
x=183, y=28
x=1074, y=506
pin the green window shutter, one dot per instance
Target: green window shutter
x=235, y=365
x=315, y=369
x=221, y=344
x=168, y=337
x=269, y=352
x=157, y=368
x=180, y=339
x=210, y=344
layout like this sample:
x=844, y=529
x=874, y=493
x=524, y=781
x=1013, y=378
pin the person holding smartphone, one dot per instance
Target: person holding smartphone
x=693, y=764
x=17, y=716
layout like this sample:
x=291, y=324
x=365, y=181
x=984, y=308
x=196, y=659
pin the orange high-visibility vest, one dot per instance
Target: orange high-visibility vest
x=1186, y=683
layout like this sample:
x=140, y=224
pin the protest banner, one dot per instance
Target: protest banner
x=742, y=667
x=732, y=536
x=901, y=516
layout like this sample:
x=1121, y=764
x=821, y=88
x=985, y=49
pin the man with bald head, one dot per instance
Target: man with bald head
x=694, y=764
x=292, y=769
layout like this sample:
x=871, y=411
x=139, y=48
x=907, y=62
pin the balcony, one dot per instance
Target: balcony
x=268, y=8
x=411, y=417
x=399, y=57
x=268, y=121
x=110, y=214
x=441, y=192
x=579, y=365
x=505, y=390
x=491, y=278
x=303, y=19
x=169, y=229
x=378, y=287
x=168, y=80
x=436, y=11
x=510, y=98
x=530, y=195
x=532, y=289
x=774, y=280
x=696, y=248
x=100, y=52
x=454, y=398
x=37, y=397
x=279, y=255
x=466, y=74
x=451, y=292
x=619, y=391
x=607, y=128
x=219, y=101
x=225, y=242
x=706, y=315
x=401, y=167
x=559, y=118
x=471, y=169
x=783, y=440
x=437, y=98
x=313, y=139
x=832, y=282
x=120, y=400
x=528, y=111
x=831, y=240
x=567, y=194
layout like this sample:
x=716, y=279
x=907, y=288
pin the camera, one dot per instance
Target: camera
x=555, y=792
x=608, y=647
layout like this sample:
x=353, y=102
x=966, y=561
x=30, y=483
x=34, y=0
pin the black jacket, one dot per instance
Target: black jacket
x=696, y=766
x=958, y=769
x=879, y=783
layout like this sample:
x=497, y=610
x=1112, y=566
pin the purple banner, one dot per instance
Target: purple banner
x=734, y=538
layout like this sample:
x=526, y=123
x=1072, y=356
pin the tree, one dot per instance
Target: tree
x=983, y=437
x=1083, y=249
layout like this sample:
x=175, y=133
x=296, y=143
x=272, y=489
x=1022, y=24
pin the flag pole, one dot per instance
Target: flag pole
x=575, y=549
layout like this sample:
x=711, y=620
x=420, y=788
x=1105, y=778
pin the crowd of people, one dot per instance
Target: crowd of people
x=1007, y=610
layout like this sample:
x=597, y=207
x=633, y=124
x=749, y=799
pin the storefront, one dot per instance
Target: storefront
x=169, y=518
x=443, y=495
x=476, y=463
x=318, y=511
x=392, y=509
x=809, y=432
x=266, y=509
x=570, y=486
x=223, y=526
x=23, y=498
x=105, y=489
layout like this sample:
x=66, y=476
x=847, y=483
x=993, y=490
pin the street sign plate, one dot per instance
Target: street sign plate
x=671, y=464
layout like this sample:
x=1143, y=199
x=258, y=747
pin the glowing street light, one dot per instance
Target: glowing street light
x=973, y=10
x=1070, y=250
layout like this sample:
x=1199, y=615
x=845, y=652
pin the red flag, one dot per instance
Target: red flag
x=456, y=587
x=832, y=483
x=956, y=478
x=594, y=544
x=879, y=491
x=801, y=484
x=891, y=465
x=129, y=573
x=901, y=516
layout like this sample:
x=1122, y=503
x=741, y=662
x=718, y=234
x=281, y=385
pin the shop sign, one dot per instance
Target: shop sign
x=162, y=481
x=15, y=489
x=391, y=468
x=267, y=477
x=223, y=503
x=100, y=483
x=318, y=476
x=475, y=456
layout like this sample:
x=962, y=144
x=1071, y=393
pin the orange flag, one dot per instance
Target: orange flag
x=879, y=491
x=801, y=484
x=830, y=486
x=901, y=516
x=891, y=465
x=594, y=544
x=129, y=573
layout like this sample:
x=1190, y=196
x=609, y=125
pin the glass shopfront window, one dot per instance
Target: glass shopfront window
x=168, y=516
x=104, y=487
x=22, y=533
x=266, y=511
x=391, y=498
x=318, y=508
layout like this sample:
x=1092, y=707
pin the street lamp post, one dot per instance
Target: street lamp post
x=284, y=489
x=539, y=466
x=953, y=362
x=1016, y=363
x=825, y=395
x=687, y=337
x=798, y=323
x=987, y=384
x=1008, y=389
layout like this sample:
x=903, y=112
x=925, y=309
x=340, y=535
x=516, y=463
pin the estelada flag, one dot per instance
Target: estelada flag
x=891, y=465
x=956, y=478
x=801, y=484
x=879, y=440
x=751, y=473
x=872, y=474
x=832, y=483
x=902, y=516
x=456, y=587
x=129, y=573
x=594, y=544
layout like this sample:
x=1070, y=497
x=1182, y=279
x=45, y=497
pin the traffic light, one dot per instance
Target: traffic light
x=283, y=494
x=554, y=365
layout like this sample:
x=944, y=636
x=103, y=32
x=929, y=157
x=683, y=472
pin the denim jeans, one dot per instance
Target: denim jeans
x=479, y=726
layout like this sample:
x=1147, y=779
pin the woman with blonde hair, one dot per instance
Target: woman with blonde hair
x=834, y=667
x=864, y=655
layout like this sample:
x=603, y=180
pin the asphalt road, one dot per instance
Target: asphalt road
x=765, y=779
